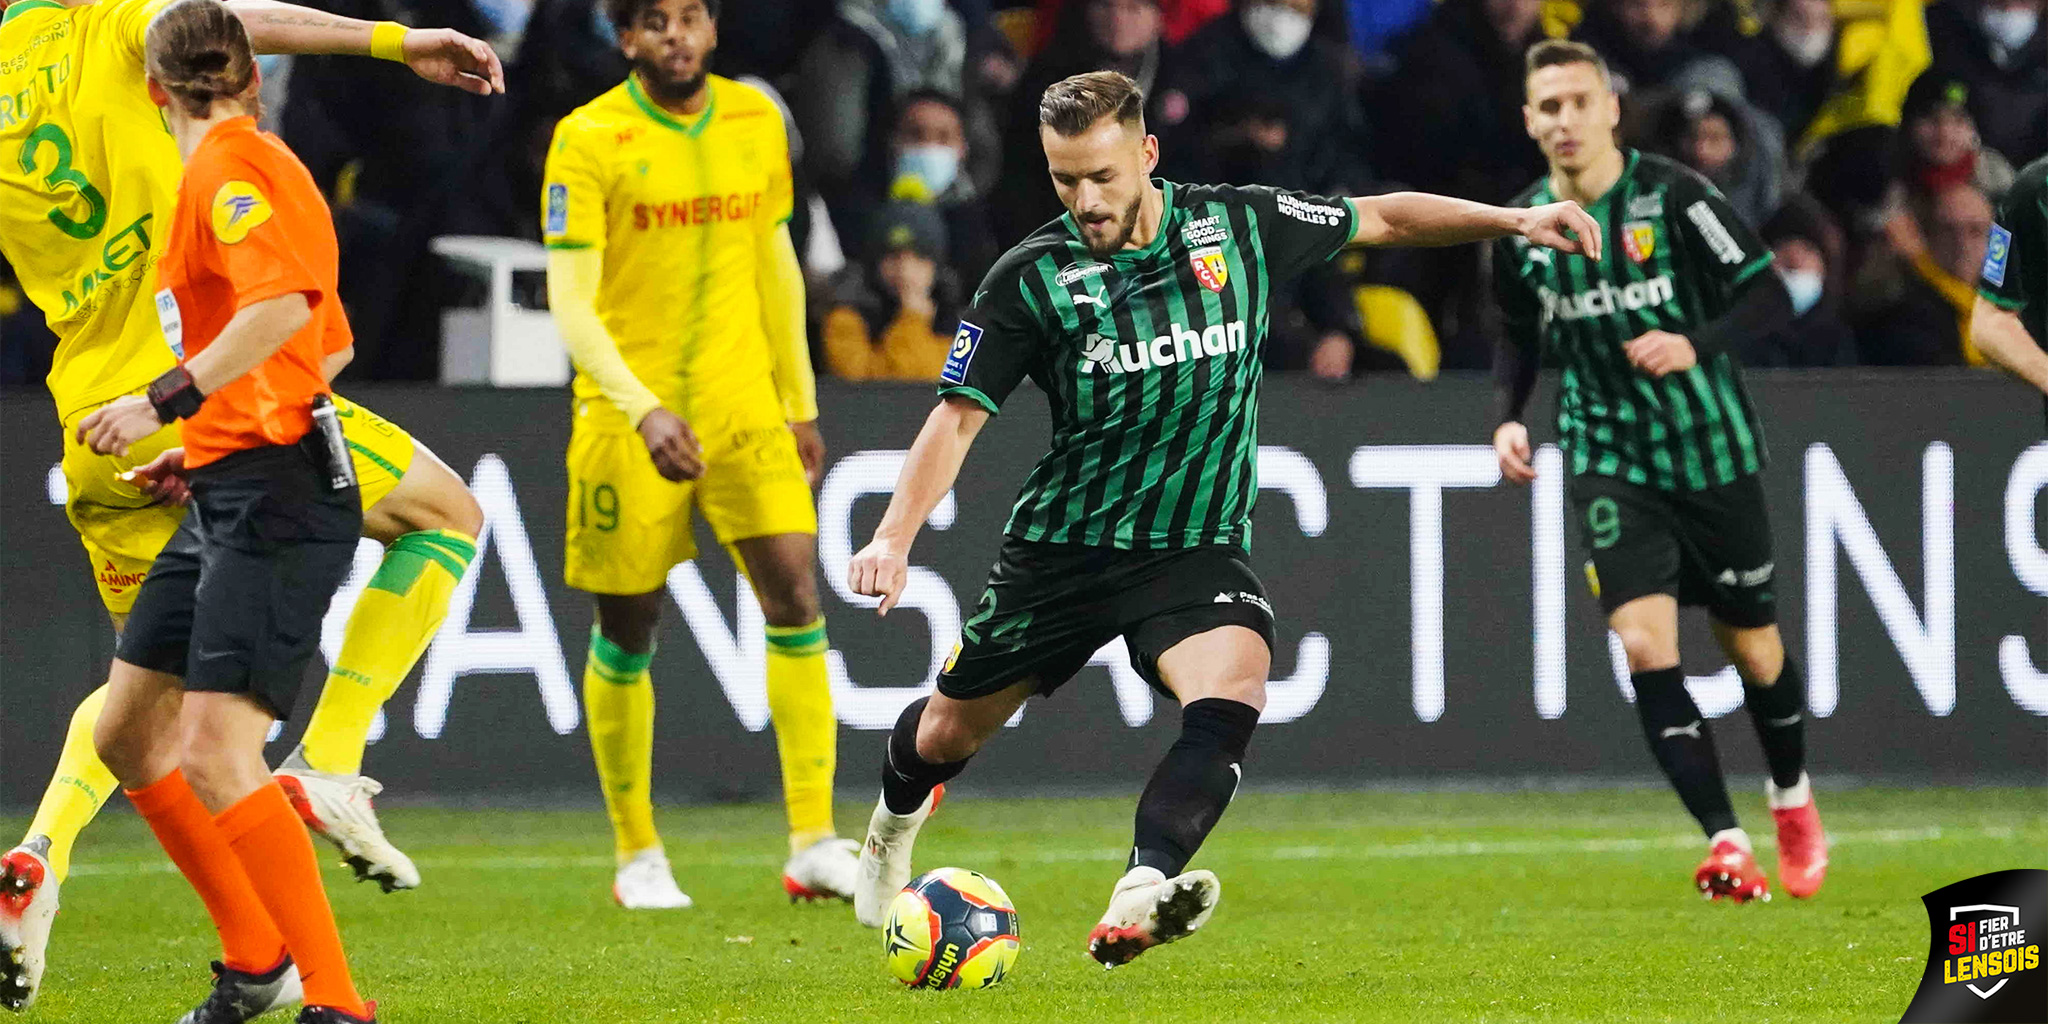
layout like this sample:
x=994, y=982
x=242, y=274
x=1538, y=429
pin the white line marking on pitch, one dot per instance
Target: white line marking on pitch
x=1429, y=848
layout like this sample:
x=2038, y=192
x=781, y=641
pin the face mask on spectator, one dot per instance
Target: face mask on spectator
x=934, y=167
x=1805, y=48
x=2010, y=27
x=1804, y=287
x=1280, y=32
x=916, y=17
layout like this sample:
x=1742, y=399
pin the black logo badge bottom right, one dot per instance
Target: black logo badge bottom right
x=1984, y=952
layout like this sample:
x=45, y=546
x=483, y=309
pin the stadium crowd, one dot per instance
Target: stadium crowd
x=1865, y=139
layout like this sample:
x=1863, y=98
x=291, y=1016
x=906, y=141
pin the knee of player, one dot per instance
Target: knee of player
x=1760, y=662
x=464, y=514
x=130, y=750
x=795, y=604
x=941, y=740
x=1647, y=649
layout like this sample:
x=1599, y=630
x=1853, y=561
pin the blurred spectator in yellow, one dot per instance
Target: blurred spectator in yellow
x=893, y=318
x=1926, y=291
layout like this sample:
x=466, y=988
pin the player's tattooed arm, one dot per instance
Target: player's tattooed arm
x=439, y=55
x=1423, y=219
x=883, y=567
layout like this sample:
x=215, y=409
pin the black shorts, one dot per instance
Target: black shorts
x=1049, y=607
x=235, y=601
x=1710, y=548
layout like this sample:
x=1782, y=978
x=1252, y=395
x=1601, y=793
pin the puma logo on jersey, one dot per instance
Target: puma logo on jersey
x=1607, y=300
x=1084, y=298
x=1675, y=731
x=1180, y=346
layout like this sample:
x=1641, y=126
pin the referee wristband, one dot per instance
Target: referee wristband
x=175, y=395
x=387, y=41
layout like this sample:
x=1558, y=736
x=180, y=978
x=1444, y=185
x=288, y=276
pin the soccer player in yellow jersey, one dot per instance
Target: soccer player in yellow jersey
x=88, y=183
x=675, y=285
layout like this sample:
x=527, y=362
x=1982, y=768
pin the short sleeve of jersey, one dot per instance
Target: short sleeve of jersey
x=129, y=22
x=998, y=341
x=572, y=193
x=1299, y=230
x=2016, y=254
x=1722, y=245
x=252, y=245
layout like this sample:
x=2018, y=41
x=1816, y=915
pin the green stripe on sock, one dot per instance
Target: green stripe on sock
x=798, y=639
x=407, y=558
x=454, y=542
x=614, y=663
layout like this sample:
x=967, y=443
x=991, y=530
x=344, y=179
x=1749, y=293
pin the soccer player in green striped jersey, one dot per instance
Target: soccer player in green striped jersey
x=2010, y=322
x=1662, y=444
x=1140, y=314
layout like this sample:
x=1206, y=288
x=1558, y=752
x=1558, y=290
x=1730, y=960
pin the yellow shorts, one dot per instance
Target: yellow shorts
x=122, y=529
x=628, y=527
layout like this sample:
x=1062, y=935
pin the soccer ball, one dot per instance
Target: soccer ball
x=951, y=928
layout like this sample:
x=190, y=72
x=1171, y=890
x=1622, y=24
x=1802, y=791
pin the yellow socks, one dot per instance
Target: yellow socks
x=82, y=784
x=618, y=703
x=806, y=732
x=393, y=621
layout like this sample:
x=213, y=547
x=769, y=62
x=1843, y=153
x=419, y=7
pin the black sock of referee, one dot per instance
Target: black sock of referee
x=1193, y=785
x=907, y=778
x=1779, y=713
x=1684, y=744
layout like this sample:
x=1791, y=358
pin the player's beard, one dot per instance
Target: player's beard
x=671, y=92
x=1126, y=227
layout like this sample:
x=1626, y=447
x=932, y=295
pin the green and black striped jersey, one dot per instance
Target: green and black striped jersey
x=2015, y=273
x=1150, y=360
x=1674, y=254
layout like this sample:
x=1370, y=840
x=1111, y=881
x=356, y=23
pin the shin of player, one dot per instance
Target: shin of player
x=1664, y=447
x=727, y=428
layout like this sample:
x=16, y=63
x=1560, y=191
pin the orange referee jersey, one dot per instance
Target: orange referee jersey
x=250, y=226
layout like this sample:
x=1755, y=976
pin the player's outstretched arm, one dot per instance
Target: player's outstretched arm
x=439, y=55
x=882, y=568
x=1999, y=334
x=1420, y=218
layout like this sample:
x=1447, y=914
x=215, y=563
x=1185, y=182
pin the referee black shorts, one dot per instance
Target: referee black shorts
x=1049, y=607
x=1709, y=548
x=235, y=601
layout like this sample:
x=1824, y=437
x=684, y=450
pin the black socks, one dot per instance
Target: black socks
x=1684, y=745
x=907, y=778
x=1779, y=713
x=1193, y=785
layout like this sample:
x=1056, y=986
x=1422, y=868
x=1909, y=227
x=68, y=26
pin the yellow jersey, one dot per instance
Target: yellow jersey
x=88, y=180
x=683, y=210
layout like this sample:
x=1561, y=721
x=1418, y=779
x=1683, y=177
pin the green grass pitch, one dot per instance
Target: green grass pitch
x=1366, y=906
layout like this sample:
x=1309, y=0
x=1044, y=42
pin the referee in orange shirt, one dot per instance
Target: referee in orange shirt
x=229, y=615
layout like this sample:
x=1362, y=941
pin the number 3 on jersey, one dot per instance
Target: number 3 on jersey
x=61, y=175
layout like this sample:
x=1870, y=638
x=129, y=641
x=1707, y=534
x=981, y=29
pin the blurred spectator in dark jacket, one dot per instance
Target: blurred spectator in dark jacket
x=2000, y=50
x=893, y=316
x=929, y=165
x=848, y=82
x=1093, y=35
x=1808, y=250
x=1788, y=69
x=1646, y=42
x=1462, y=68
x=1925, y=290
x=767, y=39
x=1731, y=144
x=1268, y=103
x=1940, y=144
x=1179, y=18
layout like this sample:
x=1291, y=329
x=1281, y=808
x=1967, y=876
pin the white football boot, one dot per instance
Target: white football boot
x=824, y=870
x=885, y=857
x=28, y=902
x=1148, y=909
x=337, y=808
x=646, y=883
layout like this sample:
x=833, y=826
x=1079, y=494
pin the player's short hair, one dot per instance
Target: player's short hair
x=199, y=52
x=1071, y=106
x=623, y=13
x=1552, y=53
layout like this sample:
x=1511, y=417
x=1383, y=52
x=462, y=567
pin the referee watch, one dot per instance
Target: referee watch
x=175, y=395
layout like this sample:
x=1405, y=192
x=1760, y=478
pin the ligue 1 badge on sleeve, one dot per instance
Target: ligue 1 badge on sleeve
x=1984, y=952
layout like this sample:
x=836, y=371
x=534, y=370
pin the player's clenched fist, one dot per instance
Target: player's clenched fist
x=1564, y=227
x=1511, y=446
x=880, y=570
x=677, y=454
